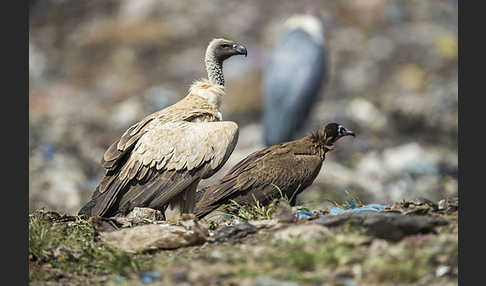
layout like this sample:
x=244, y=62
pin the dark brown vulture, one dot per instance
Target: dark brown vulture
x=290, y=167
x=159, y=161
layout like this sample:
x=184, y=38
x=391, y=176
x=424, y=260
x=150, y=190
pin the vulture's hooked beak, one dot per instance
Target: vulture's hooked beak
x=349, y=133
x=240, y=49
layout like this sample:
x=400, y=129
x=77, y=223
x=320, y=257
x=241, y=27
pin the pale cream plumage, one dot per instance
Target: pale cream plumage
x=181, y=145
x=159, y=161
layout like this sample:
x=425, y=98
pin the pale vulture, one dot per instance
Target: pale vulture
x=159, y=161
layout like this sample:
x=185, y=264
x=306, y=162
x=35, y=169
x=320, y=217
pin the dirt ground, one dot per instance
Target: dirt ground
x=409, y=243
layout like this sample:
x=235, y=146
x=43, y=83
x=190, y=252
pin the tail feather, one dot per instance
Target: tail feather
x=87, y=209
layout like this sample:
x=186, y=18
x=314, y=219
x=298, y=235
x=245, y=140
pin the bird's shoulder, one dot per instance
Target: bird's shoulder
x=186, y=109
x=171, y=155
x=272, y=161
x=183, y=145
x=255, y=171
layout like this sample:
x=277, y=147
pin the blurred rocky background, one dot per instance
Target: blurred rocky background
x=96, y=67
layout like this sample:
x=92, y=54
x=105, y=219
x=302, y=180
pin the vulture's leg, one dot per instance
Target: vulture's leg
x=181, y=203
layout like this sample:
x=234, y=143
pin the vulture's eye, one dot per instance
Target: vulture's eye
x=226, y=46
x=341, y=130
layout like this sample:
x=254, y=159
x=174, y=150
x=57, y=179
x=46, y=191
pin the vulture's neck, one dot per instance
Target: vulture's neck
x=321, y=141
x=214, y=68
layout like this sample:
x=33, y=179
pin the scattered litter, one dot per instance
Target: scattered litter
x=363, y=209
x=149, y=277
x=47, y=152
x=302, y=214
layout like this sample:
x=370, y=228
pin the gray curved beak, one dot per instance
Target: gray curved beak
x=240, y=49
x=349, y=133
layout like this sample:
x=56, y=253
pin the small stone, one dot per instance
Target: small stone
x=180, y=276
x=442, y=204
x=442, y=270
x=234, y=233
x=157, y=236
x=145, y=214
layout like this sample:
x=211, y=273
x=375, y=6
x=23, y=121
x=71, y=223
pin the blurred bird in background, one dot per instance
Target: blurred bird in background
x=293, y=77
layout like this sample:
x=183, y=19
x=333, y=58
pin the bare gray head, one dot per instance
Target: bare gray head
x=219, y=50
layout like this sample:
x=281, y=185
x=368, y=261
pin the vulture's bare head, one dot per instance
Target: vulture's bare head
x=334, y=131
x=222, y=49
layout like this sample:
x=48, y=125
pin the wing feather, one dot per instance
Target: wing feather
x=256, y=175
x=166, y=159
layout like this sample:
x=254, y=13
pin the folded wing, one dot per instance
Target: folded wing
x=163, y=161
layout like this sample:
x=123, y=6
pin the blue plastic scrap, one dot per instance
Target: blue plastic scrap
x=47, y=152
x=354, y=209
x=302, y=214
x=149, y=277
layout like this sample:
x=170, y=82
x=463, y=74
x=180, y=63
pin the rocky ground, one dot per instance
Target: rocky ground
x=406, y=243
x=96, y=67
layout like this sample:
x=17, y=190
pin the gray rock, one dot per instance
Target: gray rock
x=449, y=205
x=390, y=226
x=234, y=233
x=157, y=236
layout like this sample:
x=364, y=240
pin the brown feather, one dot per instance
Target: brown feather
x=287, y=166
x=139, y=183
